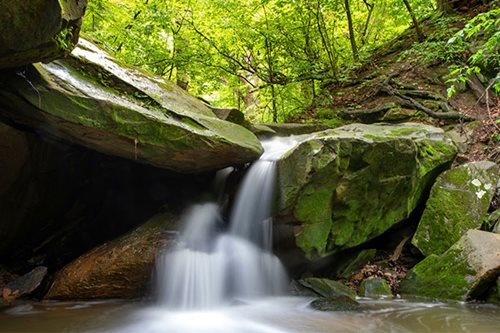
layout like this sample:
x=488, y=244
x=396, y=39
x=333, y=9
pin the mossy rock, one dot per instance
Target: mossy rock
x=459, y=201
x=351, y=184
x=38, y=30
x=375, y=287
x=92, y=100
x=121, y=268
x=335, y=303
x=327, y=288
x=464, y=272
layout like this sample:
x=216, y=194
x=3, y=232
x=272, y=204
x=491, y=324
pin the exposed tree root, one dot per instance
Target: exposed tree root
x=404, y=98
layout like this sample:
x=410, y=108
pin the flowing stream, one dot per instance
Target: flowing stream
x=213, y=266
x=222, y=277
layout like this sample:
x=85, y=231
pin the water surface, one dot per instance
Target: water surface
x=277, y=314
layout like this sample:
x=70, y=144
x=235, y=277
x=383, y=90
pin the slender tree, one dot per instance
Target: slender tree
x=420, y=35
x=352, y=37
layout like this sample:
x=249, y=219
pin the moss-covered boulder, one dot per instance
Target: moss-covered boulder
x=465, y=271
x=327, y=288
x=345, y=186
x=375, y=287
x=459, y=201
x=38, y=30
x=92, y=100
x=118, y=269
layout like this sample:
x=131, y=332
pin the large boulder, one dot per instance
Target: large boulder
x=92, y=100
x=38, y=30
x=465, y=271
x=459, y=201
x=118, y=269
x=340, y=188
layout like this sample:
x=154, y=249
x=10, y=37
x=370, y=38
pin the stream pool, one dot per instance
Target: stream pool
x=272, y=315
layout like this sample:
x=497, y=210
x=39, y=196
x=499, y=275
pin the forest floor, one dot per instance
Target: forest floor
x=406, y=80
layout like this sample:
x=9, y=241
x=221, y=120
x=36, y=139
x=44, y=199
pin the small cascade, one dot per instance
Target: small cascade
x=210, y=267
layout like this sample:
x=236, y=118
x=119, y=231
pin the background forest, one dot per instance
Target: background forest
x=272, y=58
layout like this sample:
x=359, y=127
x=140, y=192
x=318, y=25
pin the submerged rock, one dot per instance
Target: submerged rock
x=118, y=269
x=375, y=287
x=345, y=186
x=327, y=288
x=464, y=272
x=38, y=30
x=92, y=100
x=459, y=201
x=335, y=303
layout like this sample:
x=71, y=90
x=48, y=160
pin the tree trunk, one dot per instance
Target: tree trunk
x=352, y=38
x=420, y=35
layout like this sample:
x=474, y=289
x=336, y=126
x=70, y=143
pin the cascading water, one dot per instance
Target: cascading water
x=210, y=267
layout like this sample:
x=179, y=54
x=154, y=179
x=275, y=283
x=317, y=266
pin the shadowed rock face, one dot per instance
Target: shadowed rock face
x=120, y=268
x=38, y=30
x=340, y=188
x=59, y=200
x=91, y=100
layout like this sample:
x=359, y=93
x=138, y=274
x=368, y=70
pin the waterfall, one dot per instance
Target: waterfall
x=211, y=267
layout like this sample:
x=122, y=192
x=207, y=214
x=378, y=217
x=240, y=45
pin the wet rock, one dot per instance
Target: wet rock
x=343, y=187
x=464, y=272
x=92, y=100
x=117, y=269
x=335, y=303
x=375, y=287
x=296, y=289
x=38, y=30
x=327, y=288
x=23, y=285
x=459, y=201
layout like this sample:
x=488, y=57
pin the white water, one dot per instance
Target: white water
x=211, y=268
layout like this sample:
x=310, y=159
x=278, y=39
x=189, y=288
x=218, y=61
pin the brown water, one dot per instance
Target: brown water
x=274, y=315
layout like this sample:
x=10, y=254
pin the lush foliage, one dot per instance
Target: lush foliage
x=269, y=58
x=484, y=32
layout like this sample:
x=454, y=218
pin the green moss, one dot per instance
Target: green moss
x=442, y=277
x=327, y=288
x=375, y=287
x=346, y=188
x=455, y=206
